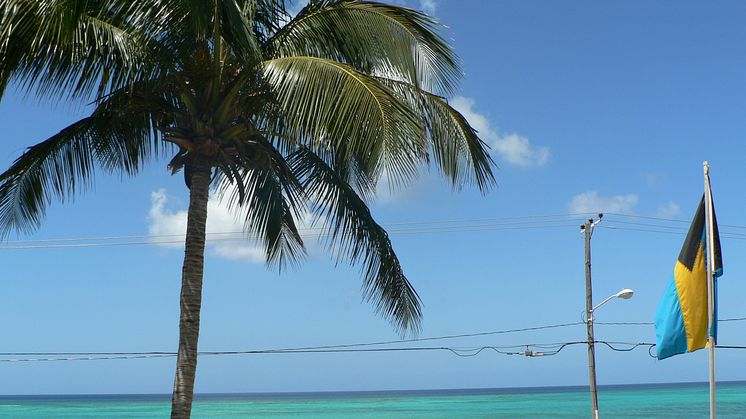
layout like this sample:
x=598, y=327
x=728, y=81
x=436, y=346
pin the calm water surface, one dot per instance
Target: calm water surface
x=630, y=401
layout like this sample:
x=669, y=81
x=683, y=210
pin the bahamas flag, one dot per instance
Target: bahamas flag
x=681, y=319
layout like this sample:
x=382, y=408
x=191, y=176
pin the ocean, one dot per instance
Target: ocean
x=688, y=400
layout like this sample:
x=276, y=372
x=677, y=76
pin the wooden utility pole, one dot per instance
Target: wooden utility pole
x=587, y=229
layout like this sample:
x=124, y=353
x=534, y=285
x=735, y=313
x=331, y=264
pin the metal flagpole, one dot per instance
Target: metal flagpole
x=710, y=283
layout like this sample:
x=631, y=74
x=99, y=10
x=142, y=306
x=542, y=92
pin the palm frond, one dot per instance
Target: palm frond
x=118, y=136
x=238, y=32
x=56, y=166
x=267, y=16
x=324, y=103
x=354, y=234
x=375, y=38
x=262, y=186
x=66, y=48
x=459, y=152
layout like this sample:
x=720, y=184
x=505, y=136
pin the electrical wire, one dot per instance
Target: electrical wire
x=463, y=335
x=563, y=217
x=411, y=227
x=632, y=223
x=400, y=228
x=734, y=319
x=94, y=356
x=348, y=347
x=668, y=219
x=458, y=351
x=410, y=231
x=631, y=346
x=294, y=349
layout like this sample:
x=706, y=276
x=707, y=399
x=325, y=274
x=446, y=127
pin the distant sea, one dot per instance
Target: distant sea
x=688, y=400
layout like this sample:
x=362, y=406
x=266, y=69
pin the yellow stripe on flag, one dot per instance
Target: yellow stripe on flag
x=692, y=288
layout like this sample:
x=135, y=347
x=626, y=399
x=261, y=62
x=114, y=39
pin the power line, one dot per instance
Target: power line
x=400, y=228
x=677, y=228
x=490, y=223
x=733, y=319
x=303, y=349
x=97, y=356
x=458, y=351
x=455, y=229
x=306, y=348
x=643, y=217
x=668, y=219
x=463, y=335
x=723, y=234
x=564, y=217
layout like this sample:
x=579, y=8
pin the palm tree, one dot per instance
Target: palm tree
x=277, y=114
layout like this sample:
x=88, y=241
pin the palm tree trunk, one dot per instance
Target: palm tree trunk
x=191, y=290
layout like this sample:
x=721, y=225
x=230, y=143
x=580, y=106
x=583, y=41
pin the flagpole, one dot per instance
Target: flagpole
x=710, y=283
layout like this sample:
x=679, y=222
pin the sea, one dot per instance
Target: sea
x=686, y=400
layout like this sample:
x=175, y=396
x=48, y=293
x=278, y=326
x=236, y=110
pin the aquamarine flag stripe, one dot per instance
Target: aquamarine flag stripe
x=670, y=332
x=714, y=325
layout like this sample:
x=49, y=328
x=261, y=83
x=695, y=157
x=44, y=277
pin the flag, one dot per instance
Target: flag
x=681, y=319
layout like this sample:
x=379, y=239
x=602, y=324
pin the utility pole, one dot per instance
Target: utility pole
x=587, y=229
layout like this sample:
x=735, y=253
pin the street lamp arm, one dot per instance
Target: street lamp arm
x=625, y=294
x=609, y=298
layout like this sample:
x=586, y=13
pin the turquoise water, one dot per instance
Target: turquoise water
x=633, y=401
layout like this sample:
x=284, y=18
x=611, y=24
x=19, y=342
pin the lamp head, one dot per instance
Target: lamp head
x=625, y=293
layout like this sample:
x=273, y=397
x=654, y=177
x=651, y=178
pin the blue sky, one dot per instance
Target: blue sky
x=587, y=106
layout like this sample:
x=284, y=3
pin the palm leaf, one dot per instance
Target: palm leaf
x=354, y=234
x=459, y=152
x=262, y=186
x=238, y=33
x=68, y=48
x=324, y=103
x=375, y=38
x=118, y=136
x=266, y=16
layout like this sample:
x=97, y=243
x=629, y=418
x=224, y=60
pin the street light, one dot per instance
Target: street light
x=624, y=294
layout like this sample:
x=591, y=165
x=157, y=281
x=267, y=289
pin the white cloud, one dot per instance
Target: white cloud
x=592, y=202
x=480, y=123
x=514, y=148
x=241, y=252
x=429, y=6
x=670, y=210
x=517, y=150
x=164, y=222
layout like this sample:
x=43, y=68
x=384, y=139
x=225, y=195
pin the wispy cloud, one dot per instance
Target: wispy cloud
x=592, y=202
x=669, y=210
x=163, y=221
x=513, y=148
x=653, y=178
x=517, y=150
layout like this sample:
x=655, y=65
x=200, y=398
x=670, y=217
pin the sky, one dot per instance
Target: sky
x=587, y=107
